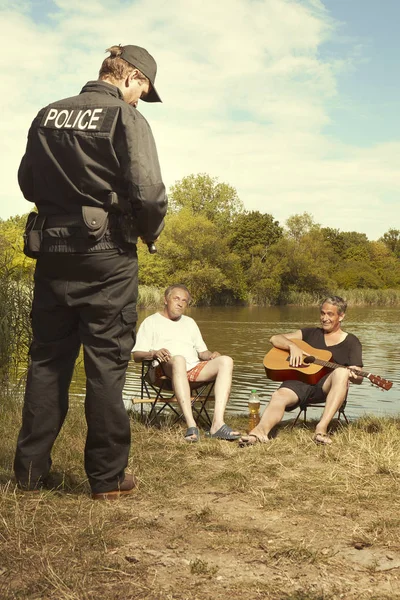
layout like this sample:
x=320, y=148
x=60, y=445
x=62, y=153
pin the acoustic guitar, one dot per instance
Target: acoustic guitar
x=313, y=368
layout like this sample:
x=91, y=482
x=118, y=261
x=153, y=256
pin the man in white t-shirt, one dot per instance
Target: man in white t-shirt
x=174, y=342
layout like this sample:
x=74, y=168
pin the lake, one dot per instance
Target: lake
x=243, y=333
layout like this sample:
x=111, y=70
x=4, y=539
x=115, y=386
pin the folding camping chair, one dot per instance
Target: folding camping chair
x=340, y=412
x=159, y=392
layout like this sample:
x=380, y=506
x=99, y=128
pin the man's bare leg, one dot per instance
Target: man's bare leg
x=271, y=416
x=335, y=386
x=176, y=370
x=219, y=369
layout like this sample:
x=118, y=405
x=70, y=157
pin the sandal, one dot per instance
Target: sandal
x=192, y=431
x=225, y=433
x=322, y=439
x=246, y=440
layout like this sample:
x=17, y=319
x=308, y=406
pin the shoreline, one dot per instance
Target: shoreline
x=151, y=297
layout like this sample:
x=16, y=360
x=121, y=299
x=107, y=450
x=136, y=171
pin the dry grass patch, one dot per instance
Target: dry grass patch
x=286, y=520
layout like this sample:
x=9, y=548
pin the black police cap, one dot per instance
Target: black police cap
x=139, y=57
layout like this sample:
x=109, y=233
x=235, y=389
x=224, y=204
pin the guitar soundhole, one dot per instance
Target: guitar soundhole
x=309, y=359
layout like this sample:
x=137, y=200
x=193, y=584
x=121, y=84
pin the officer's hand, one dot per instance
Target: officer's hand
x=148, y=242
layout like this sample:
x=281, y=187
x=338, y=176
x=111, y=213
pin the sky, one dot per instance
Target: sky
x=294, y=103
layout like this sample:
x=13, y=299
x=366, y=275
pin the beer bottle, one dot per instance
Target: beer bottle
x=254, y=409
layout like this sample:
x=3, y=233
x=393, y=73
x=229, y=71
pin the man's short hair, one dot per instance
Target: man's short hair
x=117, y=68
x=177, y=286
x=336, y=301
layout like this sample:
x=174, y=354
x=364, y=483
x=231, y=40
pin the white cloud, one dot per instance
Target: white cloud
x=246, y=98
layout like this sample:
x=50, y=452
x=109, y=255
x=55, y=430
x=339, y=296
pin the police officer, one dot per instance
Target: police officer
x=91, y=168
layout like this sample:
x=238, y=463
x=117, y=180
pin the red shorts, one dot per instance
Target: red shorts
x=192, y=374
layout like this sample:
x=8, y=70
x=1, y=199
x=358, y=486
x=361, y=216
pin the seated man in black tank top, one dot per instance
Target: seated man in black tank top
x=331, y=389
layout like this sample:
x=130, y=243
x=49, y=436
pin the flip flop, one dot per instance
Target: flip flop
x=192, y=431
x=322, y=439
x=245, y=441
x=225, y=433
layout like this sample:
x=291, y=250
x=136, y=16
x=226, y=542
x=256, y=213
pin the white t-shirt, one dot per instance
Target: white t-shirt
x=181, y=337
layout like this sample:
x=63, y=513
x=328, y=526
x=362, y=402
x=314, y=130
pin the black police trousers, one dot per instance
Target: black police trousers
x=89, y=300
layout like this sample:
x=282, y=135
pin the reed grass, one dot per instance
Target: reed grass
x=356, y=297
x=15, y=326
x=150, y=297
x=365, y=297
x=284, y=520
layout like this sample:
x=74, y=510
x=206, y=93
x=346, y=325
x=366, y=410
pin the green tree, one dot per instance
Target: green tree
x=153, y=269
x=357, y=274
x=346, y=244
x=192, y=251
x=385, y=263
x=202, y=194
x=364, y=264
x=15, y=303
x=299, y=225
x=264, y=278
x=11, y=234
x=392, y=240
x=252, y=233
x=295, y=263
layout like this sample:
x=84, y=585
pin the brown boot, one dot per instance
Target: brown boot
x=126, y=487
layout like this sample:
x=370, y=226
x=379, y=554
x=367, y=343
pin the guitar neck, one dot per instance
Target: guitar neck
x=331, y=365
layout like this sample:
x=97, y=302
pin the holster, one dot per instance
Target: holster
x=117, y=203
x=96, y=220
x=33, y=234
x=127, y=224
x=129, y=230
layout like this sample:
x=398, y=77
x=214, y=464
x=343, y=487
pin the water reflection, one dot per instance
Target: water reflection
x=243, y=333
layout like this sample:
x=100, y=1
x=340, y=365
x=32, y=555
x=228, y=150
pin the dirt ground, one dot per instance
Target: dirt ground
x=216, y=544
x=286, y=520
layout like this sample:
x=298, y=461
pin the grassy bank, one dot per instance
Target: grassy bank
x=357, y=297
x=151, y=297
x=288, y=520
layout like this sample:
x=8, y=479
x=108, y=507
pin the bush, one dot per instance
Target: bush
x=15, y=304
